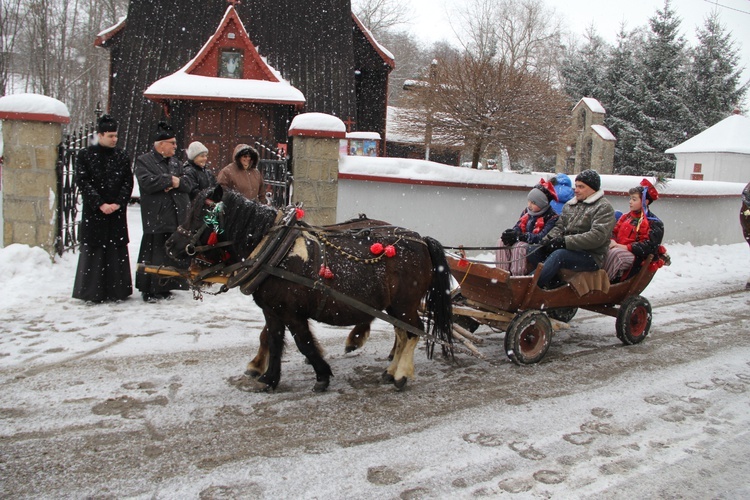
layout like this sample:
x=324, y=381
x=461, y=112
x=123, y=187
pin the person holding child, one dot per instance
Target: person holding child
x=536, y=220
x=636, y=234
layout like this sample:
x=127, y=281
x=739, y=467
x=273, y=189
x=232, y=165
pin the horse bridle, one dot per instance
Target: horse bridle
x=192, y=248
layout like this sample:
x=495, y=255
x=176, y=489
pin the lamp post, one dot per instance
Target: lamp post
x=428, y=124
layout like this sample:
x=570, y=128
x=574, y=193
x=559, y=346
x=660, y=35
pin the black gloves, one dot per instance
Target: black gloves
x=555, y=243
x=523, y=237
x=509, y=237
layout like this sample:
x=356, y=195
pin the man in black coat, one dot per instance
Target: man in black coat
x=164, y=203
x=104, y=178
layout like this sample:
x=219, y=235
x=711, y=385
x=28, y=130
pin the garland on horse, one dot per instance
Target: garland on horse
x=331, y=274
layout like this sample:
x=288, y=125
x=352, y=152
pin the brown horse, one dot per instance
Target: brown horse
x=745, y=219
x=384, y=267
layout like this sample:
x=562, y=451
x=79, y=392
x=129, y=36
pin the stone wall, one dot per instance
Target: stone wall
x=315, y=163
x=32, y=131
x=30, y=183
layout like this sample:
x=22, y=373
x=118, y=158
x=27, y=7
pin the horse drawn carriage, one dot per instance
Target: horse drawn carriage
x=529, y=315
x=353, y=272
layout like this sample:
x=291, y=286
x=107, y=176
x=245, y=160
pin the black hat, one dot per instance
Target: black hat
x=106, y=124
x=590, y=178
x=164, y=131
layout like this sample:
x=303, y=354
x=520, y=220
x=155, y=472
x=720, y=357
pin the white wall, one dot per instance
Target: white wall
x=727, y=167
x=701, y=213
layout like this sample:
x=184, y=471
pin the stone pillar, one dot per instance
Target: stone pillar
x=32, y=131
x=315, y=165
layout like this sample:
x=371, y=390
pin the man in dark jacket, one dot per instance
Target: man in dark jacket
x=105, y=181
x=164, y=203
x=580, y=238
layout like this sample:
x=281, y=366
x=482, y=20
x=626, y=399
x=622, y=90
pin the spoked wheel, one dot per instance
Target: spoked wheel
x=528, y=337
x=564, y=314
x=633, y=320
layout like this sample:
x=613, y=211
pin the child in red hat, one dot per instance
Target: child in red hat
x=636, y=234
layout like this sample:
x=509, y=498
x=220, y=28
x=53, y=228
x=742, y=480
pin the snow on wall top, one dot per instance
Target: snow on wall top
x=730, y=135
x=317, y=121
x=35, y=107
x=427, y=171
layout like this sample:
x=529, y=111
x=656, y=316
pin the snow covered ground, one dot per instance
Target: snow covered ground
x=132, y=400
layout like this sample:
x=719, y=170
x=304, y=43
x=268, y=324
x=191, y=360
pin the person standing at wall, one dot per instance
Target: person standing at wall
x=164, y=202
x=242, y=175
x=196, y=168
x=105, y=181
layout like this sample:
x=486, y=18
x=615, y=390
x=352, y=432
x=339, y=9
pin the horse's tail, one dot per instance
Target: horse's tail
x=438, y=305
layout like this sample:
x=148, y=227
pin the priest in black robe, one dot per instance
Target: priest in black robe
x=105, y=181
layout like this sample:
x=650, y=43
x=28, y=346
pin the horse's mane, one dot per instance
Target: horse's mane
x=245, y=221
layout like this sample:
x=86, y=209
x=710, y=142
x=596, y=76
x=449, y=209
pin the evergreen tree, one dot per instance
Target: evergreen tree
x=714, y=89
x=623, y=96
x=583, y=70
x=665, y=80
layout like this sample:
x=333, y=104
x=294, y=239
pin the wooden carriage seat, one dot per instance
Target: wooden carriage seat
x=585, y=282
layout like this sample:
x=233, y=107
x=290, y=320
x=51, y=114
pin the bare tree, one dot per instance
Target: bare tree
x=523, y=34
x=489, y=103
x=380, y=16
x=11, y=18
x=58, y=58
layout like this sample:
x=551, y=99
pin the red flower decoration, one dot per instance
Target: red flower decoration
x=325, y=272
x=377, y=248
x=463, y=263
x=390, y=251
x=213, y=238
x=662, y=250
x=653, y=266
x=299, y=213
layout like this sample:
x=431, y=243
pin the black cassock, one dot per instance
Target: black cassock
x=103, y=175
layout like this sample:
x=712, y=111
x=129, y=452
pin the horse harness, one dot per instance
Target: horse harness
x=265, y=258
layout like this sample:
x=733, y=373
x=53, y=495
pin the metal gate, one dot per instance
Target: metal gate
x=67, y=191
x=274, y=166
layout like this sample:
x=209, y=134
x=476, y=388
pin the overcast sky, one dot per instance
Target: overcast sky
x=431, y=18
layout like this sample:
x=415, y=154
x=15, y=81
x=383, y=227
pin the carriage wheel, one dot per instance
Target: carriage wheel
x=633, y=320
x=528, y=337
x=564, y=314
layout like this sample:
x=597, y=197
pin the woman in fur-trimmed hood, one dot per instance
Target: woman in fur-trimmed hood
x=242, y=175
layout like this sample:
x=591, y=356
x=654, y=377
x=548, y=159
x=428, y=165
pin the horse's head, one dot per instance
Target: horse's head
x=198, y=233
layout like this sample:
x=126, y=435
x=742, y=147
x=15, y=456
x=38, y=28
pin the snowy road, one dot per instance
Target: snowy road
x=666, y=418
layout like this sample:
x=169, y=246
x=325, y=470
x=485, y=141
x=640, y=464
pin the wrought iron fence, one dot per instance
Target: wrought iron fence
x=67, y=191
x=274, y=166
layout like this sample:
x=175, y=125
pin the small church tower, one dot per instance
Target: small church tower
x=586, y=143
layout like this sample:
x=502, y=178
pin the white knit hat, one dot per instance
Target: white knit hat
x=195, y=149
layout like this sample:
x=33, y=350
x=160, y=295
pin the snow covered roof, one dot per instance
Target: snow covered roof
x=594, y=105
x=730, y=135
x=107, y=34
x=372, y=136
x=33, y=107
x=181, y=85
x=260, y=82
x=398, y=130
x=603, y=132
x=384, y=53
